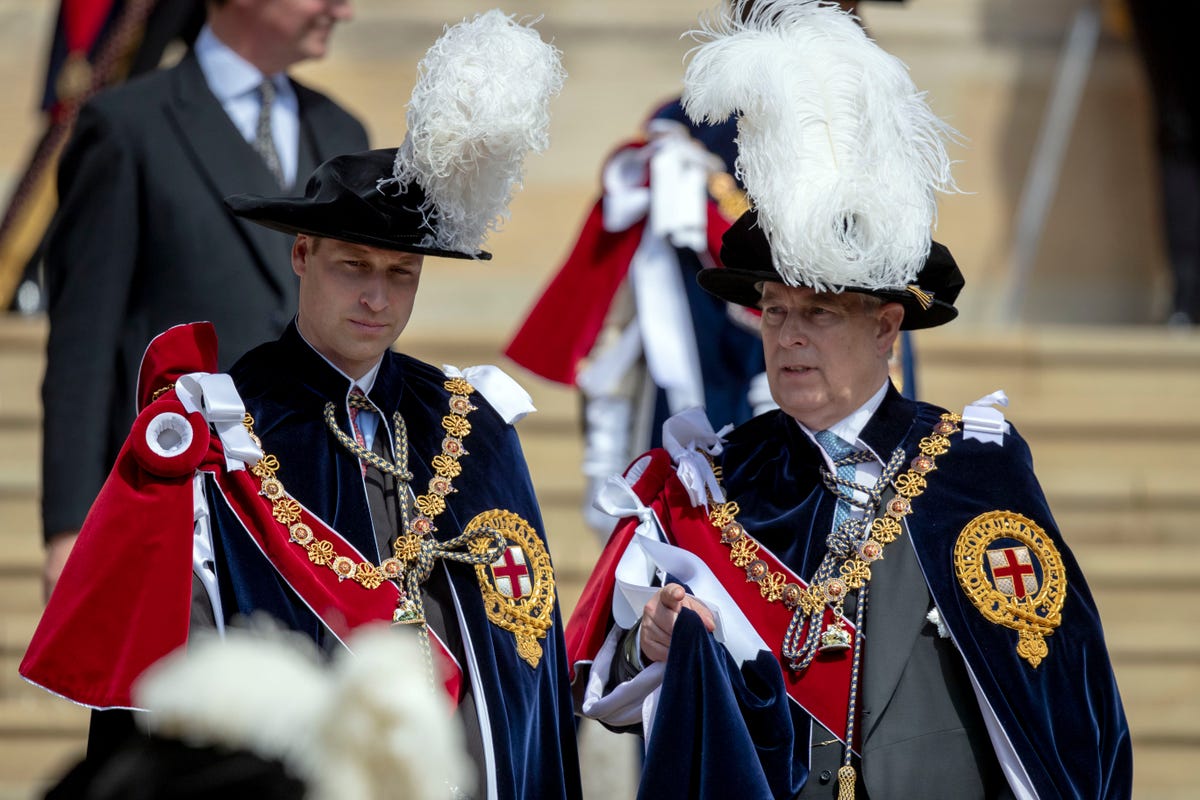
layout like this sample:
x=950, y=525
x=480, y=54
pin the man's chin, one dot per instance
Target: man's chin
x=803, y=409
x=316, y=45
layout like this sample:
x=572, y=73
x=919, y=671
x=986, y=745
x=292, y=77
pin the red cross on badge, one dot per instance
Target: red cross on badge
x=1012, y=571
x=511, y=574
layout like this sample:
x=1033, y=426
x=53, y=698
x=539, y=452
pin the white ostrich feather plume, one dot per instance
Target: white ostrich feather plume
x=246, y=691
x=368, y=725
x=481, y=103
x=388, y=733
x=839, y=152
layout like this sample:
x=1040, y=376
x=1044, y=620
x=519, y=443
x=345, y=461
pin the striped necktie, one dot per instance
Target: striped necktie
x=358, y=435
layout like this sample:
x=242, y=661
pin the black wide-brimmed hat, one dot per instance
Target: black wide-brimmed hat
x=349, y=198
x=746, y=254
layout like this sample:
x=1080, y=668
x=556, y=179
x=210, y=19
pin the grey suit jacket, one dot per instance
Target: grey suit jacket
x=923, y=733
x=141, y=242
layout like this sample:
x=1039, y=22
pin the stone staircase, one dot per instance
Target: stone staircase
x=1108, y=413
x=39, y=735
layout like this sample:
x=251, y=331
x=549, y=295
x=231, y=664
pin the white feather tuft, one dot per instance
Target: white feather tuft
x=839, y=152
x=247, y=691
x=481, y=103
x=385, y=736
x=366, y=726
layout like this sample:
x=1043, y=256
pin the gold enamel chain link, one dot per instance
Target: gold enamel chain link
x=855, y=570
x=408, y=545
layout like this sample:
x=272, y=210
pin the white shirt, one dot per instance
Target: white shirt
x=368, y=421
x=235, y=81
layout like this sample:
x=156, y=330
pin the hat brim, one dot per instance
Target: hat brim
x=743, y=287
x=746, y=252
x=301, y=215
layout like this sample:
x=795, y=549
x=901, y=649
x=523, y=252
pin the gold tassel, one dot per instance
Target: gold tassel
x=846, y=783
x=923, y=297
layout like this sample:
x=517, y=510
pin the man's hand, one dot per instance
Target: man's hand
x=58, y=547
x=658, y=619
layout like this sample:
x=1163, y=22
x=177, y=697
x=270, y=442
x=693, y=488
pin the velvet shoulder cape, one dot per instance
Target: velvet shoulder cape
x=1063, y=717
x=286, y=386
x=126, y=596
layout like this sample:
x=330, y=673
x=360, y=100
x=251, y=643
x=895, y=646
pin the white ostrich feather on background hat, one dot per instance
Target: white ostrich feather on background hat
x=367, y=726
x=839, y=152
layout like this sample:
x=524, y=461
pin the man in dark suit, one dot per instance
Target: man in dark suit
x=142, y=241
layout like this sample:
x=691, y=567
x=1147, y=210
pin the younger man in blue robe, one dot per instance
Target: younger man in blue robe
x=333, y=483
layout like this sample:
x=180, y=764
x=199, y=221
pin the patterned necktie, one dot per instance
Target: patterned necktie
x=264, y=142
x=358, y=436
x=838, y=448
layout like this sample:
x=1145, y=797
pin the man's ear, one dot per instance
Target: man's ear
x=300, y=250
x=889, y=319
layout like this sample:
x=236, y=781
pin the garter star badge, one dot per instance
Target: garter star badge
x=1012, y=573
x=518, y=587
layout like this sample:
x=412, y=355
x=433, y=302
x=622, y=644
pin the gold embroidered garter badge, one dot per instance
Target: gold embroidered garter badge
x=1013, y=574
x=518, y=587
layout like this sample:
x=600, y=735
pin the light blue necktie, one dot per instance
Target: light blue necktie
x=838, y=448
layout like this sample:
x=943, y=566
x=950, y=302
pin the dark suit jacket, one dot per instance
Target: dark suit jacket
x=142, y=242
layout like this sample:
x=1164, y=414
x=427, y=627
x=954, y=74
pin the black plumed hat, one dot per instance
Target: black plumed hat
x=746, y=254
x=841, y=155
x=348, y=198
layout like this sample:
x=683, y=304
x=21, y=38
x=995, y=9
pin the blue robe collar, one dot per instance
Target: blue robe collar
x=319, y=382
x=749, y=451
x=891, y=424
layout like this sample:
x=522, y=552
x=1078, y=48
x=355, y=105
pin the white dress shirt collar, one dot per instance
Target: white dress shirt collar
x=234, y=81
x=228, y=75
x=851, y=427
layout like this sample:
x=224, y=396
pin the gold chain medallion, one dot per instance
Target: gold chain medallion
x=518, y=587
x=1012, y=572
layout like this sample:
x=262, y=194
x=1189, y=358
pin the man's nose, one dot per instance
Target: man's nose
x=341, y=10
x=374, y=294
x=792, y=332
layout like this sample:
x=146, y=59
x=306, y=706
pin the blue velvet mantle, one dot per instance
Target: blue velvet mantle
x=1064, y=718
x=285, y=386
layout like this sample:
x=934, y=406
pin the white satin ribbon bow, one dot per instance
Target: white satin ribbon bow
x=216, y=398
x=687, y=436
x=983, y=422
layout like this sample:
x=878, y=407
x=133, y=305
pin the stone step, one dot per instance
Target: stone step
x=20, y=519
x=1076, y=476
x=1087, y=524
x=1165, y=771
x=20, y=446
x=1137, y=623
x=39, y=735
x=1160, y=701
x=39, y=739
x=22, y=357
x=21, y=591
x=1102, y=372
